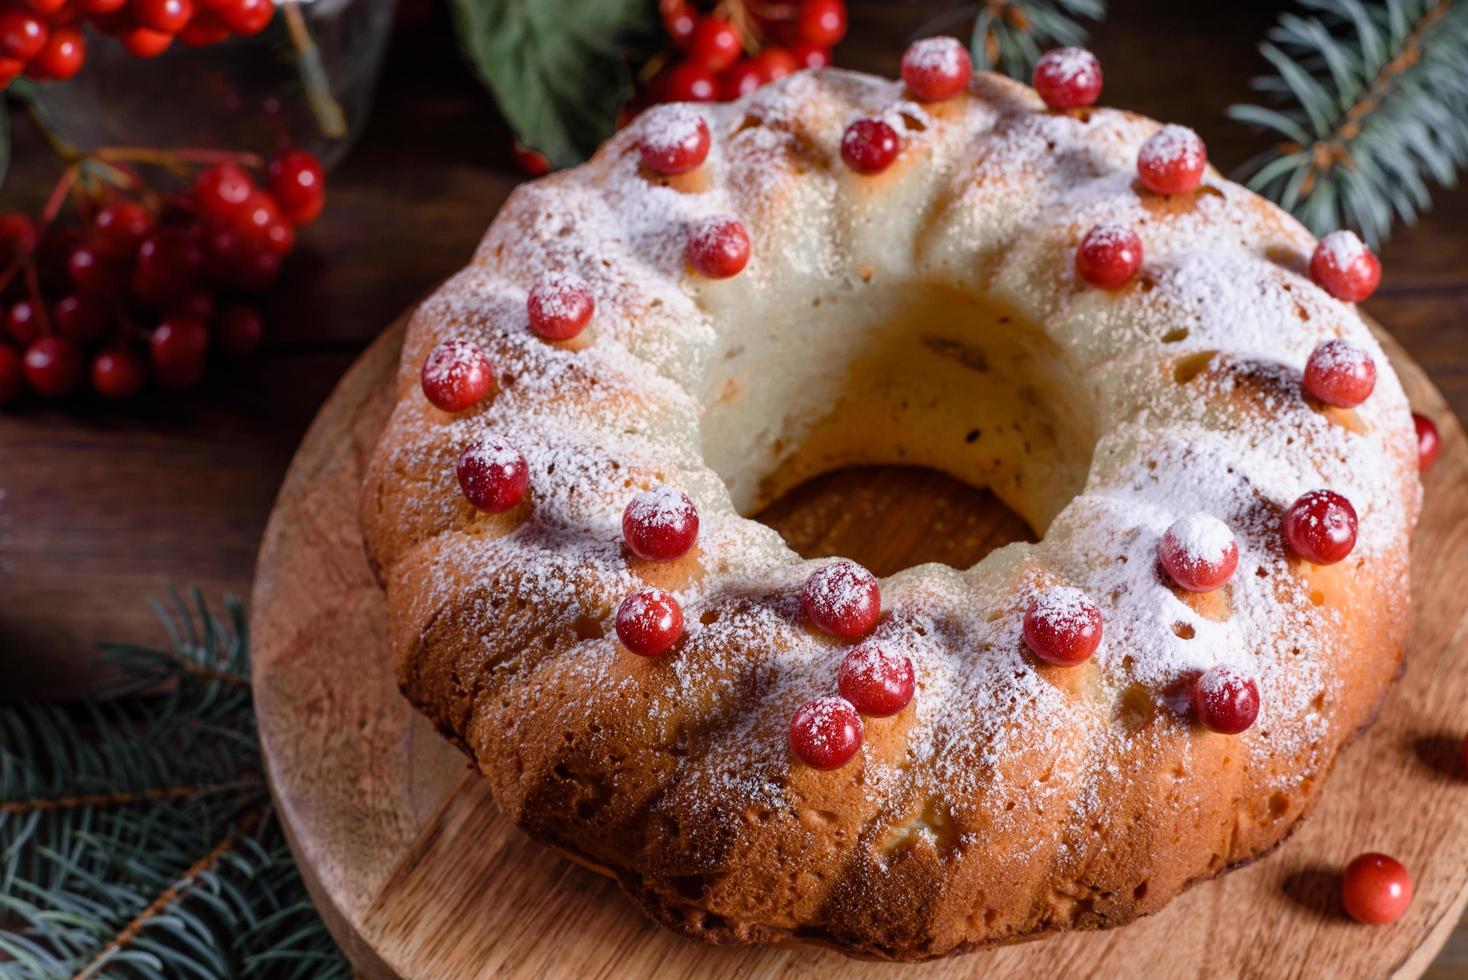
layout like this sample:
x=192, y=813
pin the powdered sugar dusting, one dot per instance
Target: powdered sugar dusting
x=560, y=294
x=452, y=361
x=1342, y=248
x=1201, y=539
x=1175, y=146
x=671, y=127
x=1073, y=65
x=1191, y=379
x=661, y=507
x=1065, y=608
x=943, y=55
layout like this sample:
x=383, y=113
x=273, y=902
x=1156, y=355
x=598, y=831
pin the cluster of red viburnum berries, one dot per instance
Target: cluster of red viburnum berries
x=145, y=286
x=721, y=53
x=721, y=57
x=44, y=40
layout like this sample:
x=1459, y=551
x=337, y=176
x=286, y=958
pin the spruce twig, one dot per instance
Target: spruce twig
x=1012, y=34
x=136, y=835
x=1367, y=105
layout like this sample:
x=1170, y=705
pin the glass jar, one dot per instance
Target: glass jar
x=307, y=80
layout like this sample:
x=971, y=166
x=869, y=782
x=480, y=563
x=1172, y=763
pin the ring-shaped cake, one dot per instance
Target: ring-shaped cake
x=927, y=311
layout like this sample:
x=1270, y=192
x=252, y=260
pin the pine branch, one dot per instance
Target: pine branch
x=136, y=836
x=155, y=794
x=1012, y=34
x=1367, y=102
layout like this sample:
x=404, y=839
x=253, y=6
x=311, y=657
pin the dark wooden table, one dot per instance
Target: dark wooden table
x=101, y=509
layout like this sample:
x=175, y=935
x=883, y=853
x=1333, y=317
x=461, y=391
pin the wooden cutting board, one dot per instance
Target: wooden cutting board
x=419, y=876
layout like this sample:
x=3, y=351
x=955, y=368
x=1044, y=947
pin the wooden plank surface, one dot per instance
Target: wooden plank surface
x=421, y=877
x=104, y=507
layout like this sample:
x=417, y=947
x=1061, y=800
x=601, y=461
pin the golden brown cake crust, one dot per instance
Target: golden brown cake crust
x=1012, y=798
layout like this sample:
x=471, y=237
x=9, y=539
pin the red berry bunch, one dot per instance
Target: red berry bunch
x=732, y=50
x=45, y=41
x=145, y=284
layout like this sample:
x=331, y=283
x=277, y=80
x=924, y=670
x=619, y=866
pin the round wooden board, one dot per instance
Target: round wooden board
x=419, y=876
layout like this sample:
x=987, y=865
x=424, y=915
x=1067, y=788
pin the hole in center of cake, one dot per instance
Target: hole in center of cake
x=886, y=384
x=893, y=517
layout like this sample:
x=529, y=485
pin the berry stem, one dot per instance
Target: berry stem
x=33, y=290
x=738, y=15
x=173, y=159
x=59, y=145
x=57, y=198
x=328, y=112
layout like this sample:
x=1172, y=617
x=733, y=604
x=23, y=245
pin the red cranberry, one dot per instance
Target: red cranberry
x=774, y=63
x=531, y=161
x=808, y=55
x=53, y=366
x=689, y=82
x=1340, y=373
x=1063, y=626
x=61, y=58
x=649, y=622
x=1428, y=441
x=673, y=139
x=93, y=274
x=936, y=69
x=714, y=44
x=257, y=216
x=1344, y=267
x=119, y=228
x=80, y=319
x=167, y=16
x=176, y=349
x=165, y=268
x=1172, y=161
x=1225, y=699
x=1199, y=552
x=718, y=248
x=679, y=20
x=822, y=22
x=23, y=323
x=144, y=42
x=223, y=191
x=239, y=330
x=205, y=29
x=843, y=599
x=869, y=146
x=299, y=184
x=12, y=375
x=493, y=475
x=876, y=681
x=825, y=733
x=1320, y=527
x=246, y=17
x=660, y=524
x=17, y=236
x=1109, y=256
x=739, y=79
x=560, y=305
x=1376, y=889
x=117, y=373
x=22, y=34
x=456, y=376
x=1067, y=78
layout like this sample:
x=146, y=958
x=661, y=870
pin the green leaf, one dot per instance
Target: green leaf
x=559, y=69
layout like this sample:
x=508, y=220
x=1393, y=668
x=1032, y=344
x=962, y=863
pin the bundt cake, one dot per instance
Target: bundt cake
x=1157, y=369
